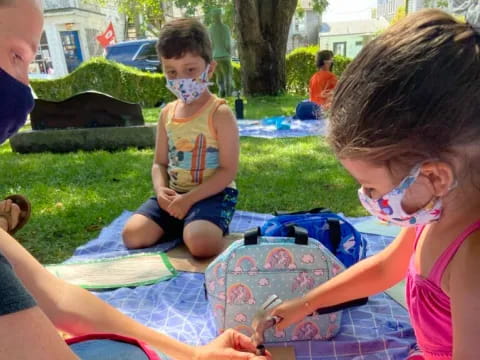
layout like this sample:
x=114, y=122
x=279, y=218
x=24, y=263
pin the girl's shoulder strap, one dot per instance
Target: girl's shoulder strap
x=444, y=259
x=418, y=232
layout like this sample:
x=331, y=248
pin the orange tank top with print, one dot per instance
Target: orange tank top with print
x=193, y=155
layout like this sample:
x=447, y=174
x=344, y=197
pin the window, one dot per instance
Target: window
x=43, y=60
x=340, y=48
x=122, y=53
x=148, y=52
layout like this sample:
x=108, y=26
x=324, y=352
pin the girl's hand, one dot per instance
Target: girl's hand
x=290, y=312
x=231, y=345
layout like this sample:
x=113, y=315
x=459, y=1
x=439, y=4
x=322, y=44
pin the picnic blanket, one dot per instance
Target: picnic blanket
x=298, y=128
x=109, y=243
x=178, y=307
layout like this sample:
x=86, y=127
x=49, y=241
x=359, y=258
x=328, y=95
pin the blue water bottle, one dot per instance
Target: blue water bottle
x=239, y=106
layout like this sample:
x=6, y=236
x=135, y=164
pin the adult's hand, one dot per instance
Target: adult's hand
x=231, y=345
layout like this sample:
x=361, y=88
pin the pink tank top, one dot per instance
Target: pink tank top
x=429, y=306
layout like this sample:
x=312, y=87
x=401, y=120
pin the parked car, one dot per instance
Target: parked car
x=141, y=54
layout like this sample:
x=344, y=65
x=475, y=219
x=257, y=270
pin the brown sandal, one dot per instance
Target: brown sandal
x=25, y=211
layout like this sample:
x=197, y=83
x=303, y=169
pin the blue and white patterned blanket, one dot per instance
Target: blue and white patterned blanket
x=178, y=307
x=298, y=128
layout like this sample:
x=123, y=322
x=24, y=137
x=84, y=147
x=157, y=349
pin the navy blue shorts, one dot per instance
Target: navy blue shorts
x=218, y=209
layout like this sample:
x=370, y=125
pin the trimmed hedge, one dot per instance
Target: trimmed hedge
x=340, y=64
x=237, y=76
x=123, y=82
x=301, y=66
x=148, y=89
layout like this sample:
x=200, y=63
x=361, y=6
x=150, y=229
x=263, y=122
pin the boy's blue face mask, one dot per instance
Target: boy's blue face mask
x=16, y=102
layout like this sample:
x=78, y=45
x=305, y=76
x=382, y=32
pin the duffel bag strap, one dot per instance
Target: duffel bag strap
x=299, y=233
x=335, y=233
x=342, y=306
x=251, y=236
x=311, y=211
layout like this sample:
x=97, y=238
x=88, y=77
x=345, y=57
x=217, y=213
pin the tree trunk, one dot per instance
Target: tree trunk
x=262, y=28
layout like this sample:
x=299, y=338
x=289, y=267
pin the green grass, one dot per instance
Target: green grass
x=75, y=195
x=255, y=108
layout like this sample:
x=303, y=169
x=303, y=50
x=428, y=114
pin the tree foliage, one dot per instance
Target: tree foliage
x=320, y=6
x=206, y=7
x=153, y=13
x=228, y=8
x=399, y=15
x=441, y=4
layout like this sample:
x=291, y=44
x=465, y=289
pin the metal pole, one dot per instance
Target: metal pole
x=406, y=6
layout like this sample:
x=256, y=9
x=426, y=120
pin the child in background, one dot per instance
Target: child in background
x=323, y=81
x=405, y=123
x=196, y=154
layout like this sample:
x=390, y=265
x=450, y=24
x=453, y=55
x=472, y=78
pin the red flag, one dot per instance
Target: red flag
x=107, y=37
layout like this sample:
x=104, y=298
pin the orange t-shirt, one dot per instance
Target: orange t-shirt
x=321, y=85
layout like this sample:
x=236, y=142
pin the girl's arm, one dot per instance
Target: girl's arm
x=368, y=277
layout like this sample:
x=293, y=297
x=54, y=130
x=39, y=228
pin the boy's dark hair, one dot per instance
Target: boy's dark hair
x=180, y=36
x=322, y=56
x=412, y=94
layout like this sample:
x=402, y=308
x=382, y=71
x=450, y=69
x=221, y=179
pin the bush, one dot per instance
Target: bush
x=236, y=79
x=120, y=81
x=237, y=76
x=340, y=64
x=301, y=66
x=132, y=85
x=123, y=82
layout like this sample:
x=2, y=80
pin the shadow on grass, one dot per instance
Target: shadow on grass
x=291, y=175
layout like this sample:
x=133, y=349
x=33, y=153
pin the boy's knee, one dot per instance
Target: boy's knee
x=134, y=238
x=204, y=245
x=131, y=238
x=140, y=232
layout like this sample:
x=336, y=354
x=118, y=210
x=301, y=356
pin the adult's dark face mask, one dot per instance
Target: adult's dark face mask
x=16, y=102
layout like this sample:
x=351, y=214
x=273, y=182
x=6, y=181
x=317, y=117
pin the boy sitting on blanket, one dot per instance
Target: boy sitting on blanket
x=196, y=154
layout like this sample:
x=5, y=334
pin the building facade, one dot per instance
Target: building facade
x=69, y=37
x=415, y=5
x=388, y=8
x=347, y=38
x=304, y=29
